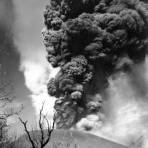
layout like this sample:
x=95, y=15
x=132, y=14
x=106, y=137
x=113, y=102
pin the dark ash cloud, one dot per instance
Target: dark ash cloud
x=90, y=40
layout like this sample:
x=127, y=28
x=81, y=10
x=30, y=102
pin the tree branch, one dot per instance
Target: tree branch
x=41, y=125
x=42, y=136
x=28, y=134
x=44, y=140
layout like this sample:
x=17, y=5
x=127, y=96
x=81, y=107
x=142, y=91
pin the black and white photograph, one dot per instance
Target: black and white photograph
x=73, y=73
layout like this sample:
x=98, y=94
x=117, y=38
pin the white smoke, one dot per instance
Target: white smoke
x=126, y=112
x=37, y=73
x=36, y=76
x=33, y=62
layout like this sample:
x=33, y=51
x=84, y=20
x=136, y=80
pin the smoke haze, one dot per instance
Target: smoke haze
x=125, y=111
x=28, y=26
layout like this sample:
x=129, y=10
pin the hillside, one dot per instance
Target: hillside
x=65, y=139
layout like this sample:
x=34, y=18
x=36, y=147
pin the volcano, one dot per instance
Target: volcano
x=90, y=41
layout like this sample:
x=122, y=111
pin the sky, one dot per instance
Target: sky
x=25, y=63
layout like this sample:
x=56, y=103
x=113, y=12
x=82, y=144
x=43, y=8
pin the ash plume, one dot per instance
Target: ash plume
x=90, y=40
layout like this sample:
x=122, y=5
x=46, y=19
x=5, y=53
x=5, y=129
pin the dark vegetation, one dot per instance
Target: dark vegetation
x=6, y=110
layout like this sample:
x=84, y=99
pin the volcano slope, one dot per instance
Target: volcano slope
x=70, y=139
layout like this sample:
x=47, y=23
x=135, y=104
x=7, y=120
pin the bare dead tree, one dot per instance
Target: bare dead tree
x=27, y=132
x=43, y=138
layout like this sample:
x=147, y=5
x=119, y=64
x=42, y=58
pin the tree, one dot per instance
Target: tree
x=43, y=138
x=6, y=111
x=6, y=108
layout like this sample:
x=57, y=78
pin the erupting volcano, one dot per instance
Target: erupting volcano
x=91, y=40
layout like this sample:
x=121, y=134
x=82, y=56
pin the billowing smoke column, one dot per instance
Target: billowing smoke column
x=90, y=40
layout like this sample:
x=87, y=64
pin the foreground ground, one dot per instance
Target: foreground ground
x=71, y=139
